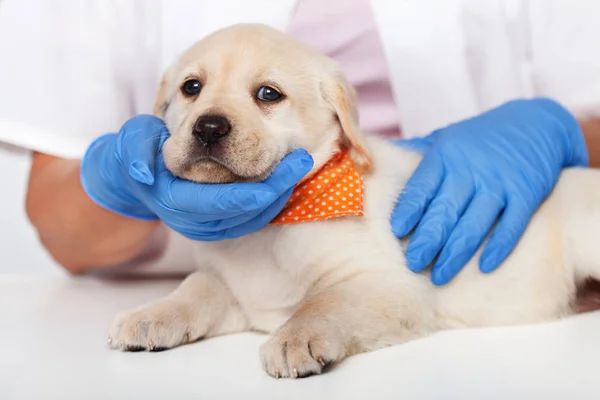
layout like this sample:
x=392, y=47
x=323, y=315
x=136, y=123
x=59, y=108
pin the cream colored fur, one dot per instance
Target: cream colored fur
x=327, y=290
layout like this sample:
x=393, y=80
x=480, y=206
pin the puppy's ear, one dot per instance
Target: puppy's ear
x=338, y=92
x=161, y=103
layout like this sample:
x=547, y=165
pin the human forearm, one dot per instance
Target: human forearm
x=77, y=232
x=591, y=132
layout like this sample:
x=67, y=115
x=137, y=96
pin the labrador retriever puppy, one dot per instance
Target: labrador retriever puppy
x=328, y=278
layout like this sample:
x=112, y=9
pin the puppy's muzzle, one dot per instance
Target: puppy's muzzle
x=210, y=129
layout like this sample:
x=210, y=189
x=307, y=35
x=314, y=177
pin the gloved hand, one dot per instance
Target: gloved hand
x=125, y=172
x=502, y=163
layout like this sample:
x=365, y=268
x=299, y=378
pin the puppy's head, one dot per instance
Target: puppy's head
x=239, y=100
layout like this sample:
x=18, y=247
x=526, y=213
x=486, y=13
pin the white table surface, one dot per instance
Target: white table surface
x=53, y=346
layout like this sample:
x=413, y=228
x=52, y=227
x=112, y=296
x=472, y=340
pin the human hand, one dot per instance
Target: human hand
x=125, y=172
x=496, y=167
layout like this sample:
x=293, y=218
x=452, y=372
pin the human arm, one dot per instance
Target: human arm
x=78, y=233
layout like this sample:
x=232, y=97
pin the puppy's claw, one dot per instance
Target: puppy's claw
x=109, y=340
x=321, y=361
x=150, y=346
x=277, y=374
x=295, y=373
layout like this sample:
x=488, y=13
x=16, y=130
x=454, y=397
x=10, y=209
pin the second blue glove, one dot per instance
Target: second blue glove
x=496, y=167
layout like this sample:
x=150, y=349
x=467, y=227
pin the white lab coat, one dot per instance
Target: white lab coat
x=71, y=70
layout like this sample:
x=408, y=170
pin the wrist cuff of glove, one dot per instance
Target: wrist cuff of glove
x=577, y=155
x=116, y=203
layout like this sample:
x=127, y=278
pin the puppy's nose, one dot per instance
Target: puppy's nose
x=209, y=129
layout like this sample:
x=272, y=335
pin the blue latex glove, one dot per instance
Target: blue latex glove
x=125, y=172
x=502, y=163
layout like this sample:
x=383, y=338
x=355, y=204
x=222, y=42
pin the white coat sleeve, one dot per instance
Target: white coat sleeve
x=565, y=52
x=63, y=72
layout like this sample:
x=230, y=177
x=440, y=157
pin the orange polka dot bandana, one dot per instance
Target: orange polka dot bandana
x=336, y=190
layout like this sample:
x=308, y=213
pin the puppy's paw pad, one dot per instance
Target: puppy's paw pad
x=299, y=353
x=156, y=327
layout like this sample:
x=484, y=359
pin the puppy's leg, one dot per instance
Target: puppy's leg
x=364, y=312
x=200, y=307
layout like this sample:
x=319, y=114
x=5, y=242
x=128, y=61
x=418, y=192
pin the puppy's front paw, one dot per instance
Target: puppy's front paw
x=300, y=349
x=154, y=327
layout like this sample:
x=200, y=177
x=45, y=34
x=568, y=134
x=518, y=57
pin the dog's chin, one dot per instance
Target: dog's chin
x=212, y=171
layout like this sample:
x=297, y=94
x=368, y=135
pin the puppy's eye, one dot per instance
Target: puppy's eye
x=191, y=88
x=268, y=94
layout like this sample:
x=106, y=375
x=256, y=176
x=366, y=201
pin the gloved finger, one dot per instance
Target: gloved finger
x=255, y=224
x=439, y=220
x=506, y=234
x=262, y=220
x=221, y=201
x=211, y=202
x=467, y=236
x=290, y=171
x=138, y=144
x=419, y=191
x=214, y=226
